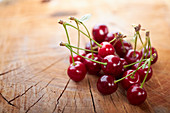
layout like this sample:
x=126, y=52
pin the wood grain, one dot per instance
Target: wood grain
x=33, y=67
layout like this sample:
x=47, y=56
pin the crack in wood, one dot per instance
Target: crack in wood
x=75, y=102
x=4, y=73
x=94, y=108
x=57, y=102
x=34, y=103
x=24, y=92
x=8, y=101
x=64, y=107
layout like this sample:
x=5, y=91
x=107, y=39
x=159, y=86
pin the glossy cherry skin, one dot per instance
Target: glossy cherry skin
x=123, y=61
x=114, y=65
x=99, y=32
x=92, y=67
x=154, y=51
x=136, y=95
x=106, y=49
x=129, y=81
x=106, y=85
x=130, y=58
x=77, y=57
x=88, y=46
x=77, y=72
x=110, y=36
x=142, y=72
x=119, y=48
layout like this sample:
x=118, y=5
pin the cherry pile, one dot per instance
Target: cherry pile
x=114, y=59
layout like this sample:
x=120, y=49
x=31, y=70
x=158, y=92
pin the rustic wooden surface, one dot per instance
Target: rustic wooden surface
x=33, y=67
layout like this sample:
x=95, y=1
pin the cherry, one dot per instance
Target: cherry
x=106, y=49
x=131, y=58
x=110, y=36
x=77, y=57
x=88, y=46
x=99, y=32
x=142, y=72
x=106, y=85
x=114, y=65
x=123, y=61
x=153, y=52
x=77, y=72
x=130, y=80
x=121, y=50
x=136, y=95
x=92, y=67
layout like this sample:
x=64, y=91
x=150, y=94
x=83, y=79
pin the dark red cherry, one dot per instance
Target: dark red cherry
x=153, y=52
x=77, y=57
x=106, y=85
x=92, y=67
x=106, y=49
x=77, y=72
x=114, y=65
x=130, y=80
x=131, y=58
x=119, y=48
x=123, y=61
x=142, y=72
x=110, y=36
x=88, y=46
x=136, y=95
x=99, y=32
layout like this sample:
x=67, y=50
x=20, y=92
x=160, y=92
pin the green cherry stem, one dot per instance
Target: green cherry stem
x=64, y=44
x=139, y=37
x=82, y=33
x=69, y=42
x=135, y=45
x=112, y=40
x=122, y=45
x=85, y=57
x=90, y=39
x=149, y=64
x=125, y=66
x=128, y=75
x=78, y=44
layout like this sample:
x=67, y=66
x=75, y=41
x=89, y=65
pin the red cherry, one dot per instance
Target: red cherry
x=119, y=48
x=106, y=85
x=129, y=81
x=110, y=36
x=77, y=72
x=92, y=67
x=114, y=65
x=88, y=46
x=99, y=32
x=142, y=72
x=123, y=61
x=153, y=52
x=77, y=57
x=130, y=58
x=106, y=49
x=136, y=95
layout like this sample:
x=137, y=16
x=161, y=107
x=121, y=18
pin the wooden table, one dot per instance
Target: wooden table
x=33, y=66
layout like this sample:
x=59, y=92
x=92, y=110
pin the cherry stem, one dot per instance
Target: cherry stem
x=83, y=33
x=78, y=44
x=149, y=64
x=122, y=45
x=69, y=43
x=85, y=57
x=134, y=54
x=90, y=39
x=64, y=44
x=139, y=37
x=125, y=66
x=112, y=40
x=128, y=75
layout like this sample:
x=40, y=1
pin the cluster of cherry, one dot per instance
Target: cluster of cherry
x=111, y=57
